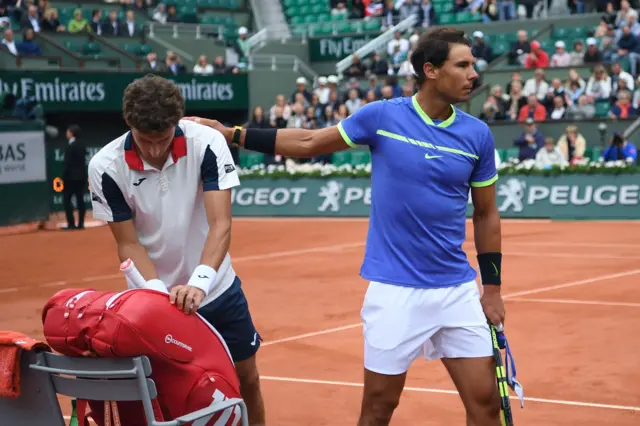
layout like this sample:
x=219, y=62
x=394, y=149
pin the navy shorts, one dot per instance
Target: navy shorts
x=229, y=315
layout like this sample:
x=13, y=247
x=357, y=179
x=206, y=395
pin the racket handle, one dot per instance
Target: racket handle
x=128, y=268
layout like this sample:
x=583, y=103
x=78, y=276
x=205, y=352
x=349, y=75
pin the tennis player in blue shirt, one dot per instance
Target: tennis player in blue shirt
x=422, y=300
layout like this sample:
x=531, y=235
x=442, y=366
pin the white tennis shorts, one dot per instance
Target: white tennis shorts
x=402, y=324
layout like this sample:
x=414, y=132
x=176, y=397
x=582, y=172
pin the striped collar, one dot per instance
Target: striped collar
x=178, y=150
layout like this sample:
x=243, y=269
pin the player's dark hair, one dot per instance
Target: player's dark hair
x=74, y=129
x=152, y=104
x=433, y=47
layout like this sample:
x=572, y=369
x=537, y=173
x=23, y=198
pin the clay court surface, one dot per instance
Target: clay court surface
x=572, y=293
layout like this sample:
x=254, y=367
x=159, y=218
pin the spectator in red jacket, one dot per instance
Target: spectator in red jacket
x=537, y=58
x=533, y=109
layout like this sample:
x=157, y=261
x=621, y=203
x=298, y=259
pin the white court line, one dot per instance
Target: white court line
x=320, y=249
x=574, y=283
x=239, y=259
x=312, y=334
x=452, y=392
x=507, y=296
x=364, y=219
x=567, y=244
x=576, y=302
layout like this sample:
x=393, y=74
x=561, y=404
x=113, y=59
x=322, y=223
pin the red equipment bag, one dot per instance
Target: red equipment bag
x=190, y=363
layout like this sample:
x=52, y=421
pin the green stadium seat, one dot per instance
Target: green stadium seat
x=560, y=33
x=602, y=108
x=299, y=30
x=92, y=49
x=579, y=32
x=500, y=47
x=297, y=20
x=324, y=17
x=292, y=11
x=73, y=46
x=338, y=17
x=447, y=19
x=360, y=157
x=596, y=152
x=318, y=9
x=288, y=3
x=188, y=14
x=305, y=10
x=323, y=29
x=341, y=158
x=344, y=27
x=512, y=153
x=310, y=19
x=252, y=159
x=372, y=25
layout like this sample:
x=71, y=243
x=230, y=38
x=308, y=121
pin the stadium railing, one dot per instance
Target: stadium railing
x=374, y=44
x=275, y=62
x=9, y=61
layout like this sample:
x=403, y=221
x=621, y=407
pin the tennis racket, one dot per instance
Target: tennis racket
x=501, y=376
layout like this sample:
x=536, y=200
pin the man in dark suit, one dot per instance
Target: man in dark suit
x=96, y=21
x=129, y=27
x=112, y=26
x=75, y=177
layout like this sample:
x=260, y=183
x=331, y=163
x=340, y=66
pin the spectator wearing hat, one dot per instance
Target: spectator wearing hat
x=561, y=58
x=322, y=90
x=537, y=58
x=549, y=156
x=530, y=140
x=593, y=54
x=241, y=45
x=301, y=87
x=481, y=51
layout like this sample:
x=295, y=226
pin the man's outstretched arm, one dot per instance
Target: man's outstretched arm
x=298, y=143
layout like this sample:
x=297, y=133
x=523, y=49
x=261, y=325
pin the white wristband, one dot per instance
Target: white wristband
x=203, y=277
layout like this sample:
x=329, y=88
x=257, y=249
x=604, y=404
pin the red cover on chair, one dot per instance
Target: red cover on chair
x=190, y=363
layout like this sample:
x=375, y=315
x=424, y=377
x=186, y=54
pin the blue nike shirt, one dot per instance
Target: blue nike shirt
x=421, y=176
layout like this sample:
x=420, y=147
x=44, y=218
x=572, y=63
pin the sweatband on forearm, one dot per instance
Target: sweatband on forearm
x=261, y=140
x=490, y=268
x=203, y=277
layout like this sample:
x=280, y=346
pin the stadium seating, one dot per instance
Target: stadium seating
x=314, y=16
x=363, y=157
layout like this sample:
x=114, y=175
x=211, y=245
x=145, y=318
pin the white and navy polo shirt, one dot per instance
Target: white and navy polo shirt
x=166, y=206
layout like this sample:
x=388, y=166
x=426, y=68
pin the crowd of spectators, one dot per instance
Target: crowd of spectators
x=41, y=17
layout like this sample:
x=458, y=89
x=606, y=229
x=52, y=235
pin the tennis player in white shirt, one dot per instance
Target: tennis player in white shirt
x=164, y=188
